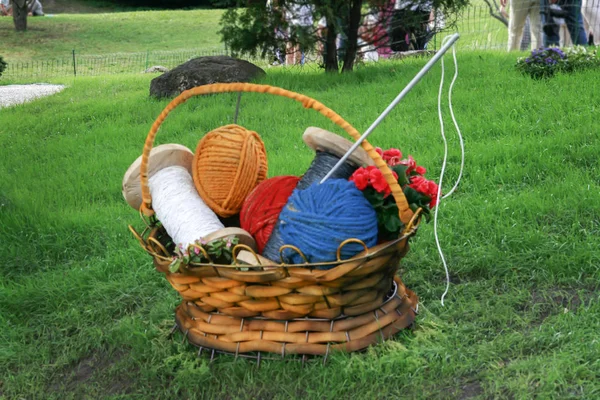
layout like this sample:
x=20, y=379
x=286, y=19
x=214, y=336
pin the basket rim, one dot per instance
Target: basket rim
x=154, y=248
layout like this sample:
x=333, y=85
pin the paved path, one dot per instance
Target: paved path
x=17, y=94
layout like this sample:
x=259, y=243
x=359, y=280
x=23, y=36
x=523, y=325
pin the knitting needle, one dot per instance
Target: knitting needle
x=404, y=92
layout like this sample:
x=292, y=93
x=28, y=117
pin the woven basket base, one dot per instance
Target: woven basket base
x=305, y=336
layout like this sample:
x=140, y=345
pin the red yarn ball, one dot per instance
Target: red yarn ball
x=261, y=208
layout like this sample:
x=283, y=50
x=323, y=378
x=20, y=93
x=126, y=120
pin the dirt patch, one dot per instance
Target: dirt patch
x=86, y=367
x=119, y=386
x=89, y=370
x=556, y=300
x=456, y=279
x=464, y=388
x=470, y=390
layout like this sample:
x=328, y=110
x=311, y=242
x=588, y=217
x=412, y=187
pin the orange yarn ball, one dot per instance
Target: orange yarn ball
x=229, y=162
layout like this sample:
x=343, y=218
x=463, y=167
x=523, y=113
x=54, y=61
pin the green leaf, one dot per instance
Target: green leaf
x=414, y=197
x=374, y=197
x=178, y=251
x=393, y=224
x=197, y=258
x=390, y=204
x=175, y=264
x=401, y=171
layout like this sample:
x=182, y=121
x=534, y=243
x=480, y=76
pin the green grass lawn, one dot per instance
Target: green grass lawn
x=86, y=315
x=55, y=37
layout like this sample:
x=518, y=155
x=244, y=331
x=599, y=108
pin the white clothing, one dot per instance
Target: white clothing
x=300, y=15
x=519, y=10
x=413, y=5
x=35, y=8
x=322, y=23
x=367, y=52
x=591, y=15
x=438, y=22
x=6, y=4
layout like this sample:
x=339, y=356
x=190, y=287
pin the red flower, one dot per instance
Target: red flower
x=393, y=161
x=378, y=181
x=410, y=163
x=426, y=187
x=379, y=151
x=392, y=157
x=360, y=177
x=372, y=176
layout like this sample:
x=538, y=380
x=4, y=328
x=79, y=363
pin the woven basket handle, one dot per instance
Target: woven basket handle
x=405, y=212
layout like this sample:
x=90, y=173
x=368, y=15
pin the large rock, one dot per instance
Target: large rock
x=202, y=71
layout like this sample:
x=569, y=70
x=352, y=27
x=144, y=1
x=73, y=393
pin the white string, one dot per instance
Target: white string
x=180, y=208
x=439, y=193
x=460, y=138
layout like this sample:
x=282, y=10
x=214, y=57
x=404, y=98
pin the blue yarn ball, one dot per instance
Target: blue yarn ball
x=319, y=218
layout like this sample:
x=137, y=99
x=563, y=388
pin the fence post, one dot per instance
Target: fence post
x=147, y=57
x=74, y=64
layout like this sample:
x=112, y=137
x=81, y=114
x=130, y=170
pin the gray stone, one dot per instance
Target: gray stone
x=156, y=68
x=202, y=71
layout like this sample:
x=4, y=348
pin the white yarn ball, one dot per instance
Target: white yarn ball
x=180, y=208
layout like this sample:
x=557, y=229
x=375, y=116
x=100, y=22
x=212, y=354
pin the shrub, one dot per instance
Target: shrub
x=545, y=62
x=579, y=58
x=2, y=65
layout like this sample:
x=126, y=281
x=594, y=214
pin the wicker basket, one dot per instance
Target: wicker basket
x=280, y=308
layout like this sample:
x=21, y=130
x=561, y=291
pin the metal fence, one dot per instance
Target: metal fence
x=76, y=64
x=479, y=30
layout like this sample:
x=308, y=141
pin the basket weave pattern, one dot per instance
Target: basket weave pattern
x=304, y=336
x=244, y=308
x=354, y=287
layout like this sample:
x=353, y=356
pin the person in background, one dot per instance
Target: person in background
x=34, y=8
x=5, y=8
x=409, y=24
x=278, y=53
x=367, y=38
x=591, y=13
x=300, y=17
x=381, y=37
x=340, y=39
x=519, y=11
x=321, y=37
x=571, y=12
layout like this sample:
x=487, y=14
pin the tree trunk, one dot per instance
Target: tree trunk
x=20, y=15
x=331, y=60
x=495, y=12
x=352, y=34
